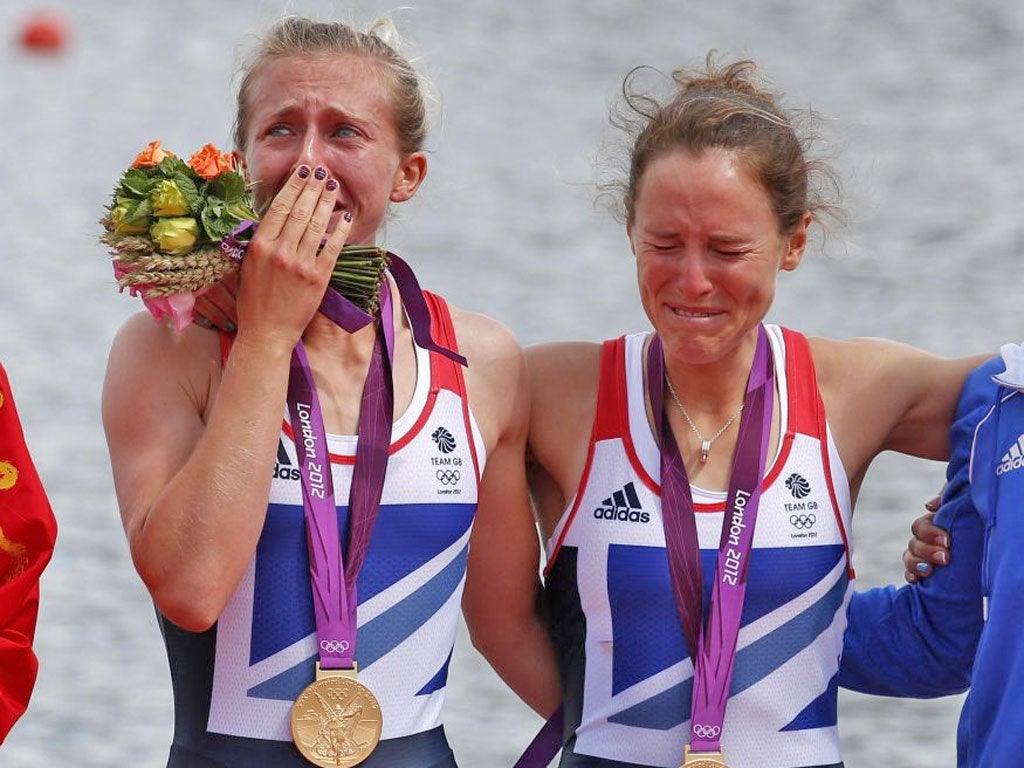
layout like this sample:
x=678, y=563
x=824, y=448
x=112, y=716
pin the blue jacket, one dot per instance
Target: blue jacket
x=920, y=640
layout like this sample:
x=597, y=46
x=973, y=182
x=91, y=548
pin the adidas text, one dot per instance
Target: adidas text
x=623, y=505
x=1013, y=458
x=284, y=472
x=1009, y=464
x=630, y=515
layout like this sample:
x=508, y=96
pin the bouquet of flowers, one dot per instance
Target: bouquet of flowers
x=176, y=228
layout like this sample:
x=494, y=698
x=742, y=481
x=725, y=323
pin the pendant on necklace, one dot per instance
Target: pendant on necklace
x=705, y=449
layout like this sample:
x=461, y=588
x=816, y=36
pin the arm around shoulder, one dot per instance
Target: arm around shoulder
x=502, y=581
x=920, y=640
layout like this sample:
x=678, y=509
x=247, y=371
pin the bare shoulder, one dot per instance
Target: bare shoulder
x=887, y=363
x=483, y=340
x=563, y=394
x=885, y=395
x=140, y=330
x=563, y=368
x=148, y=359
x=495, y=377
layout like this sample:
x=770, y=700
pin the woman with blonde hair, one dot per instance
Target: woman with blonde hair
x=308, y=571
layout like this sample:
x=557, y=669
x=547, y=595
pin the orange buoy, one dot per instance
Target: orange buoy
x=45, y=31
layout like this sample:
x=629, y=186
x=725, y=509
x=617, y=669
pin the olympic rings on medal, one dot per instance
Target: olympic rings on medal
x=706, y=731
x=802, y=521
x=334, y=646
x=448, y=476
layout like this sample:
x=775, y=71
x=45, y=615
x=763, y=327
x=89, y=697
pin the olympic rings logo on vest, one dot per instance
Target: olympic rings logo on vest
x=706, y=731
x=447, y=476
x=334, y=646
x=802, y=521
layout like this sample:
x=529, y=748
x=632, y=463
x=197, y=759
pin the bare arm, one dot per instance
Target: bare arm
x=563, y=400
x=502, y=583
x=881, y=395
x=192, y=494
x=191, y=461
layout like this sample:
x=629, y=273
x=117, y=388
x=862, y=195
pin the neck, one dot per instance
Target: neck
x=351, y=348
x=323, y=337
x=714, y=389
x=340, y=362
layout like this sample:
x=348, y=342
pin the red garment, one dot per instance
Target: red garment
x=27, y=533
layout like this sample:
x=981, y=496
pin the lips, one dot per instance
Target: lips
x=693, y=313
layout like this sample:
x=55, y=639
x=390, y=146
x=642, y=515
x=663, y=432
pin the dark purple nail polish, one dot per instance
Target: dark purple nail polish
x=303, y=171
x=331, y=185
x=348, y=216
x=320, y=173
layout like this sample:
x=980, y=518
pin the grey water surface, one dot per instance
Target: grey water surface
x=922, y=105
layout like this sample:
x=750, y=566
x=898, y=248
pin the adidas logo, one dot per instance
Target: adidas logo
x=624, y=505
x=1013, y=458
x=284, y=469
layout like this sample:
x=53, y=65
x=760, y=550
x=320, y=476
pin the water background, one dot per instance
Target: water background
x=923, y=104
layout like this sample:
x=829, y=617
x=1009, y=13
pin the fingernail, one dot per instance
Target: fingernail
x=320, y=173
x=348, y=216
x=944, y=541
x=922, y=567
x=331, y=185
x=943, y=558
x=303, y=171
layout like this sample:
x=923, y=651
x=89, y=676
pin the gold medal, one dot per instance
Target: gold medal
x=336, y=721
x=703, y=759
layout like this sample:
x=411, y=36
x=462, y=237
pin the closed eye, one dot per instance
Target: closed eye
x=731, y=252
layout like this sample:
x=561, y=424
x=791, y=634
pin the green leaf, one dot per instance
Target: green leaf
x=189, y=190
x=136, y=182
x=242, y=210
x=216, y=222
x=228, y=186
x=141, y=209
x=172, y=165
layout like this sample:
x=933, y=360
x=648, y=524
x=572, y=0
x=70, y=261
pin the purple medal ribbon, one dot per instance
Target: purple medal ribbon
x=713, y=650
x=333, y=574
x=416, y=308
x=545, y=744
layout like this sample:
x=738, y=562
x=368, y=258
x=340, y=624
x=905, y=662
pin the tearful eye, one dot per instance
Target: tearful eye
x=662, y=247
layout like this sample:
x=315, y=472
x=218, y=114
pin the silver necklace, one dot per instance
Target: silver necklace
x=705, y=443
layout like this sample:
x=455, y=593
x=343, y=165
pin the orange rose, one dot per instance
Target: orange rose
x=209, y=162
x=151, y=155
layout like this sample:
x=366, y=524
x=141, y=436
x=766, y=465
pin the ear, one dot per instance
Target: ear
x=797, y=242
x=629, y=236
x=408, y=177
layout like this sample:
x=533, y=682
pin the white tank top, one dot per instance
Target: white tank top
x=627, y=673
x=410, y=586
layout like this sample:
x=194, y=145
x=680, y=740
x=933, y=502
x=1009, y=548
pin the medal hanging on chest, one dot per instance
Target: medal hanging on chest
x=713, y=648
x=336, y=721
